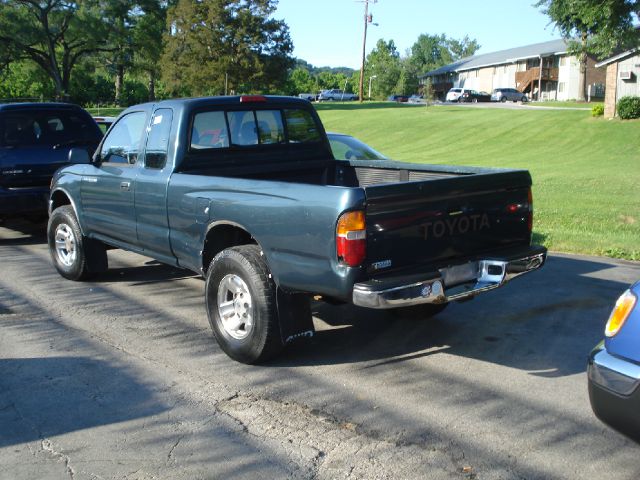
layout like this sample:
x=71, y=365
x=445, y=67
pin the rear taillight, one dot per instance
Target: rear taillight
x=351, y=238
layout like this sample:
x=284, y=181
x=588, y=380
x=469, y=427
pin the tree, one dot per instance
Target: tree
x=301, y=81
x=148, y=42
x=384, y=63
x=119, y=16
x=218, y=45
x=54, y=34
x=596, y=27
x=430, y=52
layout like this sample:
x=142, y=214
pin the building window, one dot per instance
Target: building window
x=563, y=61
x=560, y=87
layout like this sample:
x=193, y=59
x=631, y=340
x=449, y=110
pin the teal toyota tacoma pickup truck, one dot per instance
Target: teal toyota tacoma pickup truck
x=245, y=191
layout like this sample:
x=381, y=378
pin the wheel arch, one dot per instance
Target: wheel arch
x=60, y=197
x=221, y=235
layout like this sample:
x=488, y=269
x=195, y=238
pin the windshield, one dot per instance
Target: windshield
x=345, y=147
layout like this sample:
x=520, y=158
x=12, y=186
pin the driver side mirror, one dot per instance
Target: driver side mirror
x=79, y=155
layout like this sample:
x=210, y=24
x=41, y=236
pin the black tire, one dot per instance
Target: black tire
x=503, y=99
x=422, y=311
x=523, y=99
x=253, y=342
x=75, y=256
x=475, y=100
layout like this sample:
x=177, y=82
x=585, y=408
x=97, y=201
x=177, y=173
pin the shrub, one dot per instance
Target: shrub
x=597, y=110
x=629, y=107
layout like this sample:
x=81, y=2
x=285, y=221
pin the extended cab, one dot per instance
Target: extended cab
x=35, y=139
x=245, y=191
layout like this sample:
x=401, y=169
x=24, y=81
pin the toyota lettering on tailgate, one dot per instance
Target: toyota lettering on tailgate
x=458, y=225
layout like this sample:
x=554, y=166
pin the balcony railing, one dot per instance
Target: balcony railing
x=524, y=80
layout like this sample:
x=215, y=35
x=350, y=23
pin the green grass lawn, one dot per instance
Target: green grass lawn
x=105, y=111
x=586, y=171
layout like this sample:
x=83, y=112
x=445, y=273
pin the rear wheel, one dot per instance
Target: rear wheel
x=241, y=305
x=75, y=256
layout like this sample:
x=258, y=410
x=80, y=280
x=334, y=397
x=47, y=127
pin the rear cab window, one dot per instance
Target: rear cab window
x=218, y=129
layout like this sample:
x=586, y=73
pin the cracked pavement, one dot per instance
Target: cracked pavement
x=120, y=379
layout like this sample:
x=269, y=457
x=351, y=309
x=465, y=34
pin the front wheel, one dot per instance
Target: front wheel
x=75, y=256
x=523, y=99
x=242, y=305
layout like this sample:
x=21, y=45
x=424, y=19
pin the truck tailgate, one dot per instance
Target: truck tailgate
x=455, y=217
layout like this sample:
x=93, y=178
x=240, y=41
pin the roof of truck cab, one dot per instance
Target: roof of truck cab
x=198, y=102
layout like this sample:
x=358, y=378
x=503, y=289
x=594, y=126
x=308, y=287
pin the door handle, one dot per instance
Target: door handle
x=126, y=186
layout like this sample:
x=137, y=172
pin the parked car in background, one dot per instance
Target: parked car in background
x=336, y=95
x=614, y=368
x=104, y=122
x=504, y=94
x=416, y=98
x=454, y=94
x=312, y=97
x=346, y=147
x=398, y=98
x=474, y=96
x=35, y=139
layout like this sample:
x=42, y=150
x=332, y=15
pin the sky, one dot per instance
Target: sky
x=329, y=32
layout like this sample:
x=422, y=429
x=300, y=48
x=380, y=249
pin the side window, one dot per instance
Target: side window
x=158, y=141
x=122, y=145
x=301, y=126
x=209, y=131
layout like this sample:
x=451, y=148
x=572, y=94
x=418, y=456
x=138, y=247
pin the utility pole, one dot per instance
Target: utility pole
x=367, y=19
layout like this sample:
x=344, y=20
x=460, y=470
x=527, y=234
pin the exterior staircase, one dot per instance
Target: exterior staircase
x=526, y=81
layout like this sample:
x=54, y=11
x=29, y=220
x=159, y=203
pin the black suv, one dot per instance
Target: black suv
x=35, y=139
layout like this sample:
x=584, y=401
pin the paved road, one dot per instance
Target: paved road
x=120, y=378
x=509, y=105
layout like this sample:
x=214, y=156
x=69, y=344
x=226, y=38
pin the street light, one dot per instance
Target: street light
x=370, y=79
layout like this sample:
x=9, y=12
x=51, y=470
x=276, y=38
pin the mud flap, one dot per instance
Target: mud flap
x=96, y=255
x=294, y=313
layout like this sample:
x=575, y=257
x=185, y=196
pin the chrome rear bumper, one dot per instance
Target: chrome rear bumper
x=447, y=284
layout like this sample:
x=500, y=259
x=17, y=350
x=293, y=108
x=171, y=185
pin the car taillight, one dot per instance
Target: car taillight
x=620, y=312
x=351, y=238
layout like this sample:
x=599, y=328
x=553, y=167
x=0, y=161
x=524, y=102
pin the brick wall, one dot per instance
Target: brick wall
x=610, y=90
x=594, y=75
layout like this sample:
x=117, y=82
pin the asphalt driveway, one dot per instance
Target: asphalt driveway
x=120, y=378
